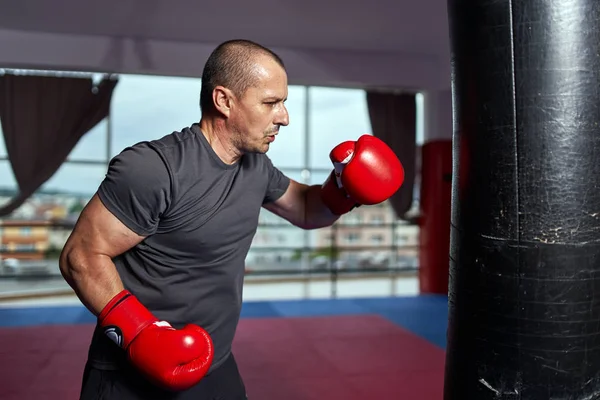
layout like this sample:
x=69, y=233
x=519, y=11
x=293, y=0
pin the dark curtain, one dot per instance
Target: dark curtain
x=43, y=118
x=394, y=120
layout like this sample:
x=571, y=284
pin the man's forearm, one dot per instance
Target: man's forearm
x=94, y=278
x=317, y=214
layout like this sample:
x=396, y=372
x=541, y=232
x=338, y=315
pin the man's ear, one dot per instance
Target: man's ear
x=222, y=99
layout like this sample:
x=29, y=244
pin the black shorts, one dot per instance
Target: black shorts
x=224, y=383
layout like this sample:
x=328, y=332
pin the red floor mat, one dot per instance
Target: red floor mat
x=324, y=358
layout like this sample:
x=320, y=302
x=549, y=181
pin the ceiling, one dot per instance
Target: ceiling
x=379, y=43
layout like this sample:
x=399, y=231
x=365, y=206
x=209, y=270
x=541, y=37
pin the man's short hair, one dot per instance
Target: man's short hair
x=230, y=66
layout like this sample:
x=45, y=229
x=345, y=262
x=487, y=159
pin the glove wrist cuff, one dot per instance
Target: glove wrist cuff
x=336, y=198
x=123, y=318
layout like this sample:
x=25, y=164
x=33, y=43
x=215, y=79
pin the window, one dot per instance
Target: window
x=377, y=219
x=288, y=149
x=352, y=237
x=402, y=240
x=376, y=239
x=295, y=174
x=92, y=145
x=8, y=184
x=352, y=218
x=318, y=177
x=150, y=107
x=323, y=237
x=3, y=152
x=63, y=195
x=72, y=183
x=335, y=115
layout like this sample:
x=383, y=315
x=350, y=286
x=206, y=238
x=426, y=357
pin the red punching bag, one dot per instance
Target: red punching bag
x=434, y=232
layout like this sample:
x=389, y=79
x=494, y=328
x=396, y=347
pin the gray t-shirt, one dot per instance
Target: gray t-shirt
x=199, y=215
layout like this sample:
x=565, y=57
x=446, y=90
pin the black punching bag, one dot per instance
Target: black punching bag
x=524, y=295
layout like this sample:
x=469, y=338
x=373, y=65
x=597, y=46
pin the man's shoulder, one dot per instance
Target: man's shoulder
x=154, y=155
x=175, y=146
x=175, y=139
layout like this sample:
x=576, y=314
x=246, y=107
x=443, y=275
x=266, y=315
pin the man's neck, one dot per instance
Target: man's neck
x=220, y=139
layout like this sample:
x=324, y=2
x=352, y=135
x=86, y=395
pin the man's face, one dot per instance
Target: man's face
x=257, y=115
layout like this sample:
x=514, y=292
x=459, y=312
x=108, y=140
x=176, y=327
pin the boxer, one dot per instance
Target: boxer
x=158, y=253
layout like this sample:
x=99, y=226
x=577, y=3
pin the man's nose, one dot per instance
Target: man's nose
x=282, y=117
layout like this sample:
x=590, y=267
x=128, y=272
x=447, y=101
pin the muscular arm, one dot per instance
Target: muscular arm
x=126, y=209
x=173, y=359
x=302, y=206
x=86, y=259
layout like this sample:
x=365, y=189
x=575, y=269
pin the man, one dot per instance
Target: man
x=158, y=253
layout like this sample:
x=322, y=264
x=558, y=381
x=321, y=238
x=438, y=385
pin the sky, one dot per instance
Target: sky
x=149, y=107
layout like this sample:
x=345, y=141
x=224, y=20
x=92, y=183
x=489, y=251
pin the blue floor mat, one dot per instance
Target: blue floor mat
x=11, y=317
x=425, y=316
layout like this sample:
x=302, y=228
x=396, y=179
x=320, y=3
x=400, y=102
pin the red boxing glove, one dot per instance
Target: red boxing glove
x=332, y=192
x=170, y=358
x=365, y=172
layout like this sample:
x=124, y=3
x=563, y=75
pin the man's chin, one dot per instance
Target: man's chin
x=260, y=150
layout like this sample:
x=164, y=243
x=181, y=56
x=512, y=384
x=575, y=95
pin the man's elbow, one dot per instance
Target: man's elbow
x=308, y=221
x=71, y=262
x=63, y=261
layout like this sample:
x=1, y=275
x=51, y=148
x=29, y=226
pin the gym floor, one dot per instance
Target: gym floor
x=350, y=349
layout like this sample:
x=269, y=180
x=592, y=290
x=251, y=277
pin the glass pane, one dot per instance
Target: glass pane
x=407, y=245
x=317, y=177
x=73, y=182
x=321, y=242
x=34, y=235
x=420, y=134
x=8, y=184
x=277, y=244
x=92, y=146
x=335, y=115
x=150, y=107
x=273, y=238
x=294, y=174
x=62, y=196
x=289, y=148
x=268, y=218
x=362, y=238
x=3, y=152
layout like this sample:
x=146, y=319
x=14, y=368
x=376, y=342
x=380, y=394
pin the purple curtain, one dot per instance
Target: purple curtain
x=43, y=118
x=394, y=120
